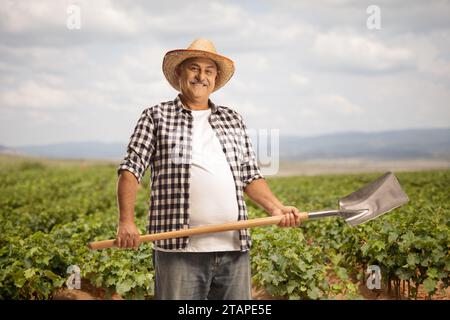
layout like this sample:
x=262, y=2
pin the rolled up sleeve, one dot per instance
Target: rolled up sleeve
x=140, y=148
x=250, y=170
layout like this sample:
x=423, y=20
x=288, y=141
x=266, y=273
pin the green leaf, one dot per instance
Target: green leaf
x=413, y=259
x=341, y=273
x=29, y=273
x=19, y=279
x=429, y=285
x=314, y=293
x=124, y=286
x=49, y=274
x=432, y=273
x=291, y=286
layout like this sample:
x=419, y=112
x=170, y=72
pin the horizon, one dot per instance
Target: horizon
x=281, y=136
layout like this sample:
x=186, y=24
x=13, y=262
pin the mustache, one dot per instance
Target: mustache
x=196, y=81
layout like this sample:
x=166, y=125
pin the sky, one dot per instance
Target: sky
x=85, y=70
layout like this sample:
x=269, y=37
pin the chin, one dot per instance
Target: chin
x=200, y=92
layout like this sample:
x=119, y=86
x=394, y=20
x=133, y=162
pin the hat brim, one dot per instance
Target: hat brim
x=173, y=58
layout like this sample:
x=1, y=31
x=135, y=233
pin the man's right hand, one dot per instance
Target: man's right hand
x=128, y=235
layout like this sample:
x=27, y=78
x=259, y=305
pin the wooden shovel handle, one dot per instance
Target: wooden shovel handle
x=242, y=224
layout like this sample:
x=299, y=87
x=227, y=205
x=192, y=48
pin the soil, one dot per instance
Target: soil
x=89, y=292
x=383, y=294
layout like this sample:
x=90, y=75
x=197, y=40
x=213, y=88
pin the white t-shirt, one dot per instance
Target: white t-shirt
x=212, y=198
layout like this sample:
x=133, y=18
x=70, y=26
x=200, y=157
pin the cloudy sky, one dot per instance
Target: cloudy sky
x=303, y=67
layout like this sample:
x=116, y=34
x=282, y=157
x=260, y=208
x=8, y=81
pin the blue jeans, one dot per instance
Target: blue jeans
x=202, y=275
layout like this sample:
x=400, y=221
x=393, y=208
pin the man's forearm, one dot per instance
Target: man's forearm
x=126, y=196
x=259, y=192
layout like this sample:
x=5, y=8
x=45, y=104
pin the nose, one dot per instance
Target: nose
x=201, y=75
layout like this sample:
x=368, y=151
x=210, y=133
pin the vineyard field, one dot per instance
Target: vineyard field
x=49, y=211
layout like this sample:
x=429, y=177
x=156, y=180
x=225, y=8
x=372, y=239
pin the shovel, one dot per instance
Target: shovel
x=371, y=201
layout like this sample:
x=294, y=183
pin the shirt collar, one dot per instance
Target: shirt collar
x=180, y=106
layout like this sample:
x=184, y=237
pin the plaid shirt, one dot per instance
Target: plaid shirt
x=162, y=140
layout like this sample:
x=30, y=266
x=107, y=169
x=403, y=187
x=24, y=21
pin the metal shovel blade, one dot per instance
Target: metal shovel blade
x=374, y=199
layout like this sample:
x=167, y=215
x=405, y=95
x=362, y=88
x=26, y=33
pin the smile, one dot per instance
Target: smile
x=199, y=84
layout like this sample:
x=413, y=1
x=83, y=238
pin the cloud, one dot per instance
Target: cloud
x=35, y=96
x=354, y=52
x=299, y=80
x=254, y=61
x=429, y=51
x=334, y=103
x=42, y=59
x=303, y=67
x=327, y=107
x=45, y=22
x=24, y=16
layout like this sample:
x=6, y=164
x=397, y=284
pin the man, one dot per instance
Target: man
x=201, y=162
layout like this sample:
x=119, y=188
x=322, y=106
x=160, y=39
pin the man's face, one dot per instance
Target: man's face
x=197, y=77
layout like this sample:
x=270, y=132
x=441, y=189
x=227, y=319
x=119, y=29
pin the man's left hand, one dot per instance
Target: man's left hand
x=291, y=216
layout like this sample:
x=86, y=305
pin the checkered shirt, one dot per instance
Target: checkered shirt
x=162, y=139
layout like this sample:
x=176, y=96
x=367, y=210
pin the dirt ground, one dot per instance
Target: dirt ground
x=383, y=294
x=89, y=292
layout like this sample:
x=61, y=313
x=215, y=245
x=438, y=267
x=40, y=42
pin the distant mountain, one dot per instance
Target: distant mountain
x=7, y=150
x=387, y=145
x=77, y=150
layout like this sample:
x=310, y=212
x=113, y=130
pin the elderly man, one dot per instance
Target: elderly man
x=201, y=162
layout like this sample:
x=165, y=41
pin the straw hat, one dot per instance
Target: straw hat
x=200, y=48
